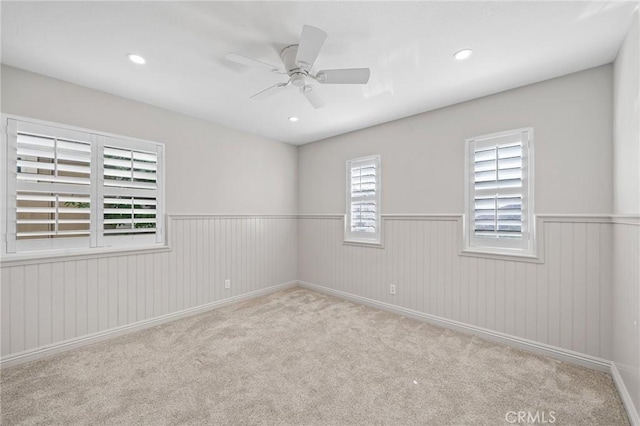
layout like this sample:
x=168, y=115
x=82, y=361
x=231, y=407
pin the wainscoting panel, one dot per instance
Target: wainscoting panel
x=626, y=296
x=564, y=302
x=44, y=303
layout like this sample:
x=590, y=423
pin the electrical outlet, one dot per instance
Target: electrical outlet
x=227, y=284
x=392, y=289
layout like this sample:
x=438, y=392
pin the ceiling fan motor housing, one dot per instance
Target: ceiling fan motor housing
x=297, y=72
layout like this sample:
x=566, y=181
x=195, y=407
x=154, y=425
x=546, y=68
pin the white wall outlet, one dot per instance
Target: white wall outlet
x=392, y=289
x=227, y=284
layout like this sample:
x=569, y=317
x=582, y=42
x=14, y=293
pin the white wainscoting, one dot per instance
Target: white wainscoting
x=46, y=303
x=626, y=303
x=565, y=302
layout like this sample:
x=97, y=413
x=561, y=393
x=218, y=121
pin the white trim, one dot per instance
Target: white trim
x=576, y=218
x=45, y=351
x=435, y=217
x=626, y=219
x=188, y=216
x=74, y=128
x=358, y=243
x=627, y=401
x=96, y=240
x=573, y=357
x=37, y=257
x=545, y=217
x=526, y=246
x=33, y=258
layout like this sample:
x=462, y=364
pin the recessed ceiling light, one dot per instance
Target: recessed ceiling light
x=136, y=59
x=293, y=119
x=463, y=54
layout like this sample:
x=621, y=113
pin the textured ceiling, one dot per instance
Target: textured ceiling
x=407, y=45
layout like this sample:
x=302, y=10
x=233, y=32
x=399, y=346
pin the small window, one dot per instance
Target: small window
x=68, y=188
x=363, y=200
x=499, y=202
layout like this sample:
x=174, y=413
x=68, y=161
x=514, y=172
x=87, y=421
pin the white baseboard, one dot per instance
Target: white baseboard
x=627, y=401
x=496, y=336
x=44, y=351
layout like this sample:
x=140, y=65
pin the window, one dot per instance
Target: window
x=76, y=189
x=362, y=222
x=499, y=201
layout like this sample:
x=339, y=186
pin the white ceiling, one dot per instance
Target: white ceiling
x=407, y=45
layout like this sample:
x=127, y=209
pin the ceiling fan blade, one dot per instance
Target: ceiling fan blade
x=311, y=42
x=269, y=91
x=344, y=76
x=313, y=96
x=240, y=59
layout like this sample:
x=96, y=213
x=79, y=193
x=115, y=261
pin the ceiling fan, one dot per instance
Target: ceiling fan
x=298, y=60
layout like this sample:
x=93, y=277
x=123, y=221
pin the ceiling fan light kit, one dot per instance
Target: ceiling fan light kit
x=298, y=60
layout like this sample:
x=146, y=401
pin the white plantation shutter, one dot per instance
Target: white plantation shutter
x=50, y=195
x=363, y=199
x=74, y=189
x=129, y=192
x=499, y=205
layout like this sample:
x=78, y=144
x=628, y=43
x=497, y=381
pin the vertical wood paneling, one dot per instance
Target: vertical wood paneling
x=112, y=290
x=530, y=285
x=103, y=295
x=561, y=302
x=149, y=280
x=57, y=302
x=565, y=301
x=92, y=296
x=44, y=304
x=82, y=314
x=566, y=290
x=47, y=303
x=17, y=308
x=579, y=287
x=552, y=250
x=510, y=297
x=5, y=305
x=70, y=300
x=605, y=275
x=31, y=306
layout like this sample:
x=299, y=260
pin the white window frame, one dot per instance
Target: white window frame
x=368, y=238
x=12, y=247
x=526, y=246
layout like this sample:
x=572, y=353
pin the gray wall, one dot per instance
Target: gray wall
x=210, y=170
x=565, y=301
x=423, y=155
x=626, y=236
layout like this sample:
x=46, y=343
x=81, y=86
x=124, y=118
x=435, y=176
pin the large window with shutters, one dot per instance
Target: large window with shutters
x=72, y=189
x=499, y=196
x=362, y=222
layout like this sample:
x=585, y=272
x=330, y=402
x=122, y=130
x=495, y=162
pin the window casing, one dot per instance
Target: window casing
x=499, y=193
x=362, y=222
x=69, y=188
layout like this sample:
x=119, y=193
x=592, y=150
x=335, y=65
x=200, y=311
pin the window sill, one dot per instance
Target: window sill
x=487, y=254
x=35, y=257
x=359, y=243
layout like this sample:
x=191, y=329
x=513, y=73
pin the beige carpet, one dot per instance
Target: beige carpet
x=300, y=357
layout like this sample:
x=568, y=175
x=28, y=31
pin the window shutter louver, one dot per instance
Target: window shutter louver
x=363, y=199
x=363, y=204
x=74, y=189
x=129, y=193
x=52, y=186
x=499, y=190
